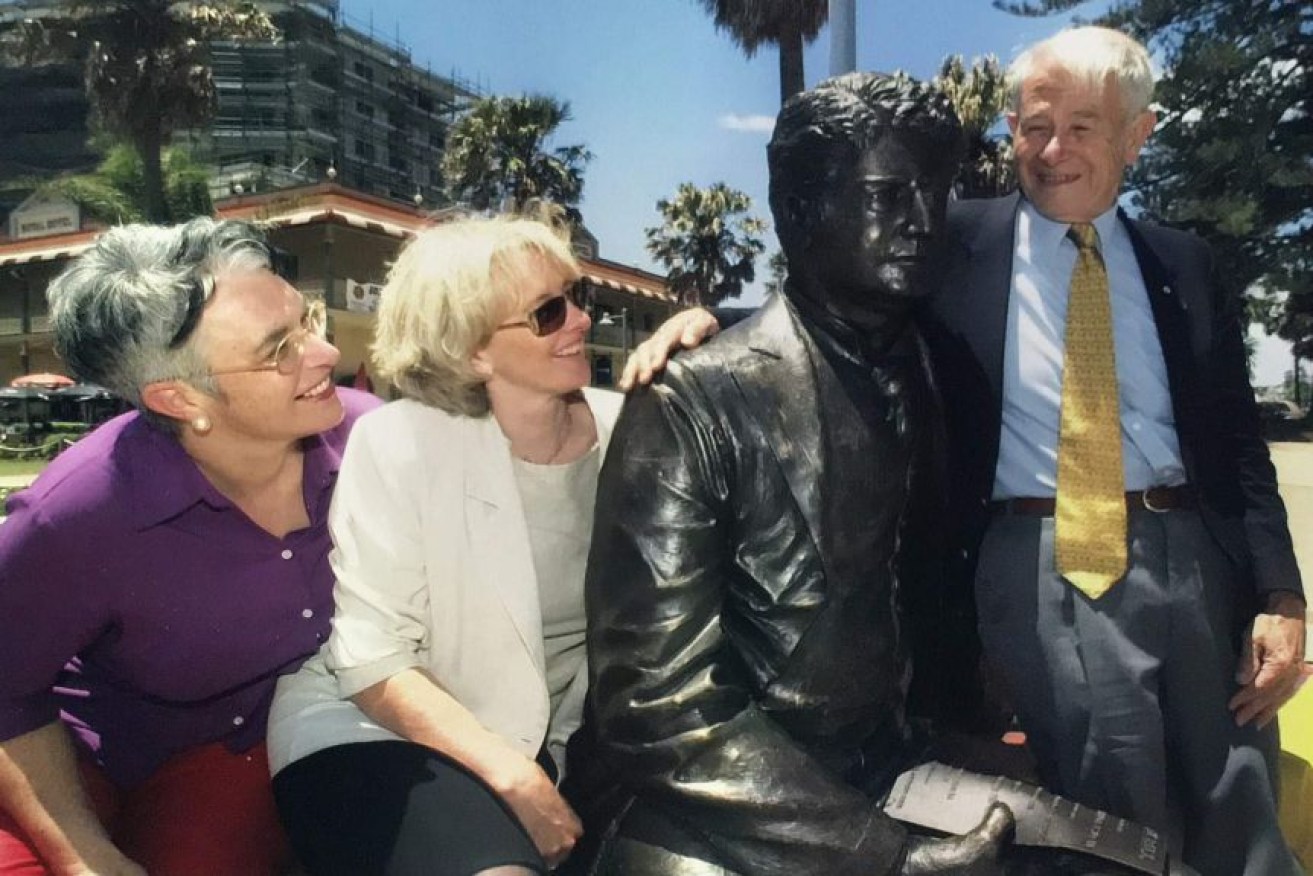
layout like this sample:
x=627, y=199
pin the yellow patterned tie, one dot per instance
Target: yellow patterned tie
x=1091, y=502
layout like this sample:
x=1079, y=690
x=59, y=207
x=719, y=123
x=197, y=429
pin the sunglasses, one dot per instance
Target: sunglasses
x=548, y=317
x=286, y=357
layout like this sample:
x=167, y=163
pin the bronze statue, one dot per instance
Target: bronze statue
x=748, y=650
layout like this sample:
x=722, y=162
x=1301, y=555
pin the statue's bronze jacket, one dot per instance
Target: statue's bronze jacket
x=741, y=698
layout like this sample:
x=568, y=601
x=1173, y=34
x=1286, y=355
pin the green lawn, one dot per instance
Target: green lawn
x=10, y=471
x=21, y=466
x=17, y=461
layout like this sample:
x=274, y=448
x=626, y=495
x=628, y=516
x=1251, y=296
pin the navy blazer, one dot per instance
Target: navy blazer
x=1200, y=327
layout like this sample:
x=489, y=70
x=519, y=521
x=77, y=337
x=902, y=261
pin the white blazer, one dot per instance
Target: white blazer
x=434, y=569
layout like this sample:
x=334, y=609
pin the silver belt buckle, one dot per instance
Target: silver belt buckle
x=1144, y=500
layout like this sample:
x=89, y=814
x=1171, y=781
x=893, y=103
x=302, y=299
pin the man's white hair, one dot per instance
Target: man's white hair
x=1094, y=55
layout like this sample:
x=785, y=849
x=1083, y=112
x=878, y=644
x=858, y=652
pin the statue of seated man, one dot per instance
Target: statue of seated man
x=747, y=630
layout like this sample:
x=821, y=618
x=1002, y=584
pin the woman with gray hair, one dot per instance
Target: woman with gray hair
x=165, y=570
x=426, y=736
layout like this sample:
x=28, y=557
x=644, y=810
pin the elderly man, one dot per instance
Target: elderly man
x=748, y=658
x=1115, y=501
x=1112, y=498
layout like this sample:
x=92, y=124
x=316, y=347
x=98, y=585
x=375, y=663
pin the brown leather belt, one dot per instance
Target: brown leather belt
x=1158, y=499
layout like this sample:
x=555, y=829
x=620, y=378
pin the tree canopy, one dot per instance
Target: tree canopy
x=979, y=96
x=147, y=73
x=784, y=23
x=1232, y=156
x=116, y=192
x=708, y=242
x=778, y=266
x=497, y=152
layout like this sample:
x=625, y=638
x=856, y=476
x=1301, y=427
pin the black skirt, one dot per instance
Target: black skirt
x=396, y=808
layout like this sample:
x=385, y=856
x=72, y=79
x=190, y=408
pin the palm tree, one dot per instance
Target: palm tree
x=116, y=191
x=146, y=70
x=786, y=23
x=496, y=153
x=980, y=97
x=708, y=243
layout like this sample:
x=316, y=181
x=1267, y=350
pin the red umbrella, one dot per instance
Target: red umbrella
x=47, y=381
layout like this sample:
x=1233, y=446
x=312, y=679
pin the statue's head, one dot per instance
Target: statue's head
x=860, y=171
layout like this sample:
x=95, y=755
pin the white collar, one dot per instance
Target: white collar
x=1039, y=234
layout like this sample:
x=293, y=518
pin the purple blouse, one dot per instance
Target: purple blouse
x=145, y=608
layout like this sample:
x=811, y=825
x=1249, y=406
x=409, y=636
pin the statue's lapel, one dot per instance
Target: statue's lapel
x=781, y=394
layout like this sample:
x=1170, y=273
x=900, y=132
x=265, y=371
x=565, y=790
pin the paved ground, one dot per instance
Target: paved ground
x=1294, y=464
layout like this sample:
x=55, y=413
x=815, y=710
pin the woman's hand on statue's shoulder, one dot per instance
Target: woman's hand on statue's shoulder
x=685, y=330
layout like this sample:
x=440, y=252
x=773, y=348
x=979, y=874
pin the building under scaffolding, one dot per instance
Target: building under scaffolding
x=328, y=98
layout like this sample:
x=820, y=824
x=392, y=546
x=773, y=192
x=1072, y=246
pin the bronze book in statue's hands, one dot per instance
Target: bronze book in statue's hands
x=952, y=800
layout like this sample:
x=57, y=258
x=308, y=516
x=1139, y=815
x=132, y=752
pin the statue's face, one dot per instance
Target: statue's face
x=874, y=244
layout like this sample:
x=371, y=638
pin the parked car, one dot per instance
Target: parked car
x=1279, y=410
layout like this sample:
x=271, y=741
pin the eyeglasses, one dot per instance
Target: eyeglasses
x=548, y=317
x=287, y=356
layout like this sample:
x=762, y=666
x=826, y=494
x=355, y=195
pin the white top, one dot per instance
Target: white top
x=558, y=509
x=434, y=567
x=1043, y=261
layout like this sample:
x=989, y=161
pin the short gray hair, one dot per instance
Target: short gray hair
x=445, y=296
x=1093, y=55
x=124, y=313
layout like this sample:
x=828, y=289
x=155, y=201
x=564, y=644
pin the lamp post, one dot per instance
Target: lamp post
x=843, y=36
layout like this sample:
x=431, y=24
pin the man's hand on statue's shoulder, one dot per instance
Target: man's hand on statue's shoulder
x=978, y=853
x=685, y=330
x=1272, y=667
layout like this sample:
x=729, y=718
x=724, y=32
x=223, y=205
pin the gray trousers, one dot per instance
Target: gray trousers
x=1124, y=698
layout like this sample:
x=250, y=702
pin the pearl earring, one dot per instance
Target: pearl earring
x=201, y=425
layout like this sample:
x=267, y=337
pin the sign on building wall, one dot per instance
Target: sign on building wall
x=362, y=297
x=42, y=215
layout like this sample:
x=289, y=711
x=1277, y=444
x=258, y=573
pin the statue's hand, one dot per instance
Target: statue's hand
x=978, y=853
x=686, y=329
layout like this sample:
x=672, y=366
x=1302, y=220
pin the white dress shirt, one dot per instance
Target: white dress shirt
x=558, y=505
x=1043, y=261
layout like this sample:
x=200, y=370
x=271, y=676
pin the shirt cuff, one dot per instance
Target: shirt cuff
x=352, y=680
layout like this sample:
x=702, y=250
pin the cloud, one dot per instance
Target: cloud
x=755, y=124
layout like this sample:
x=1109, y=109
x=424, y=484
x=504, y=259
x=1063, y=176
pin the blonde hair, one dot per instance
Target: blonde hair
x=1091, y=54
x=445, y=296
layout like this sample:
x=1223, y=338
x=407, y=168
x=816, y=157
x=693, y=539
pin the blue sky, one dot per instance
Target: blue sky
x=661, y=97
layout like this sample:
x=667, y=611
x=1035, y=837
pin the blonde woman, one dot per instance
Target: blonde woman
x=425, y=736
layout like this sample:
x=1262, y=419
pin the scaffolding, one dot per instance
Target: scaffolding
x=330, y=99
